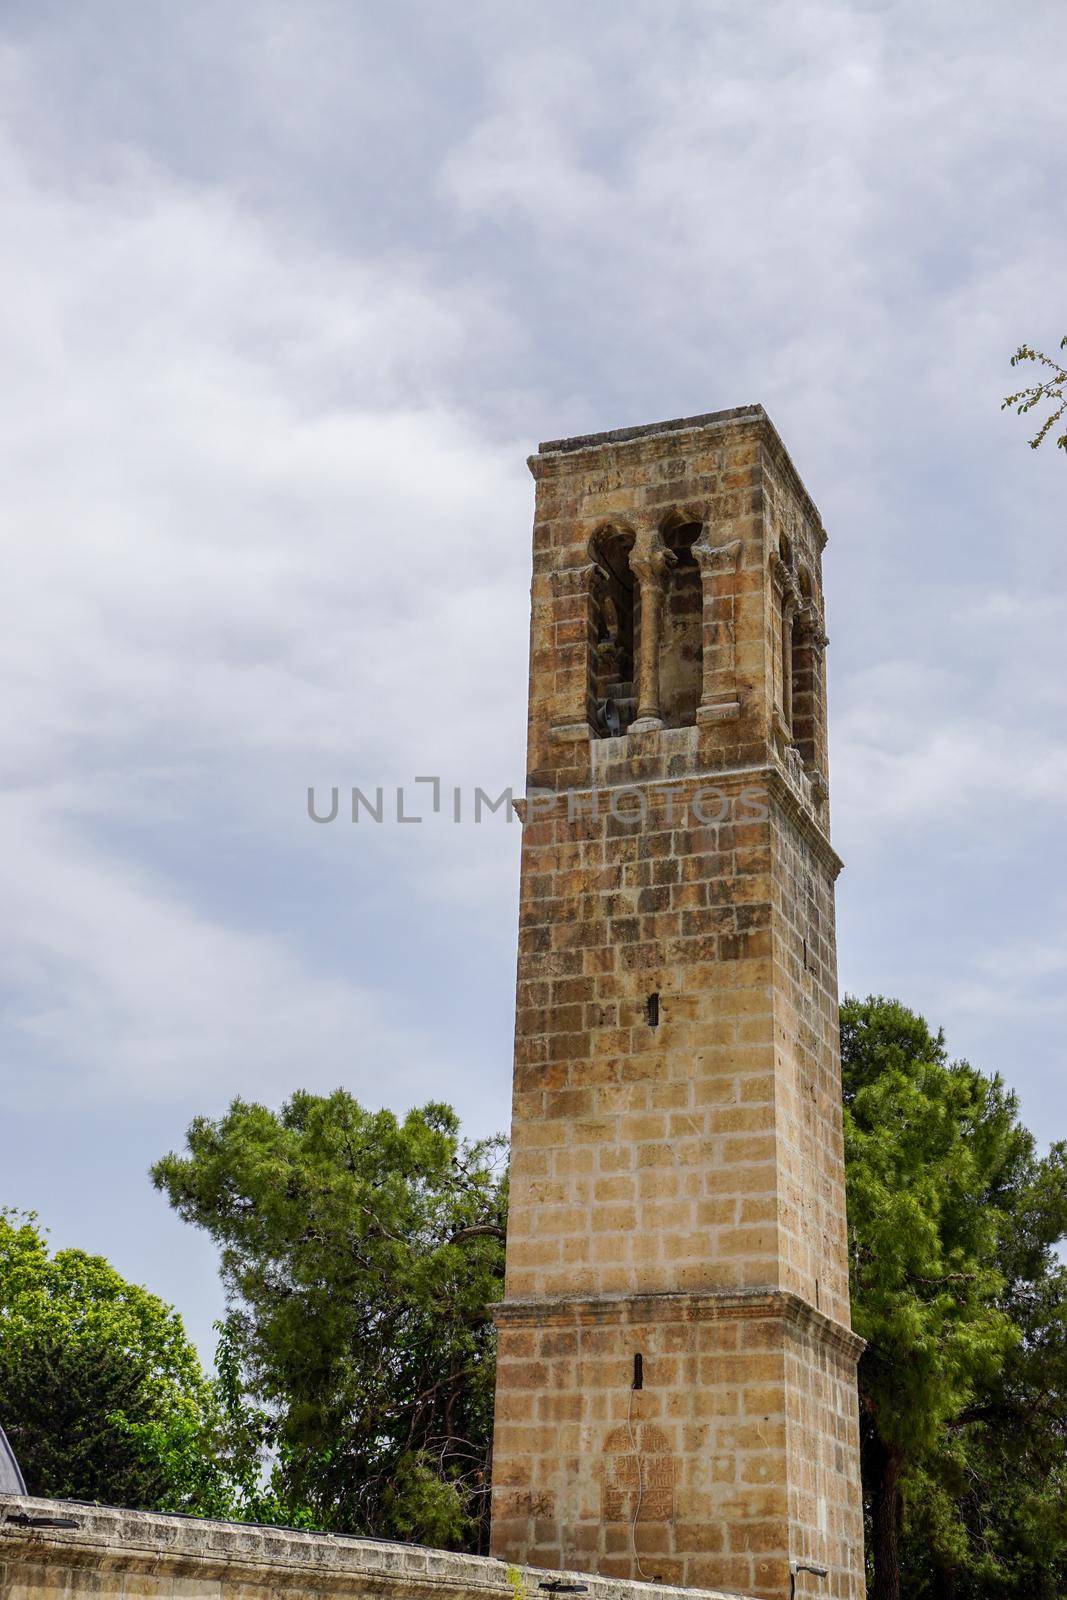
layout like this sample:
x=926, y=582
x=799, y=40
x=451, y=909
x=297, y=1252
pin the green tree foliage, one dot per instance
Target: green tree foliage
x=957, y=1288
x=103, y=1396
x=360, y=1252
x=359, y=1255
x=988, y=1505
x=1050, y=390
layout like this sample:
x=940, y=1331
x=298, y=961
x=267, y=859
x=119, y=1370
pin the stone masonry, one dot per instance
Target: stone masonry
x=107, y=1554
x=676, y=1392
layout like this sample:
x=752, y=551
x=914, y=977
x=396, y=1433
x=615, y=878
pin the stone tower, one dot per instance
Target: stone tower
x=676, y=1391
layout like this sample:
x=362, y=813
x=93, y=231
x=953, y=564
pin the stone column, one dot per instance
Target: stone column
x=649, y=565
x=719, y=698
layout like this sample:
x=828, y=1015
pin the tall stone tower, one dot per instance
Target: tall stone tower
x=676, y=1391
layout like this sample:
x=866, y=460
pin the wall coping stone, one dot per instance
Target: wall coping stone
x=646, y=430
x=109, y=1540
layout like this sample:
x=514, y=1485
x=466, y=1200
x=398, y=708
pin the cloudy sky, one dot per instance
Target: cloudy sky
x=290, y=290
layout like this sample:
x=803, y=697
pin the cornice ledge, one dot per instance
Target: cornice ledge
x=782, y=793
x=701, y=1305
x=778, y=789
x=773, y=440
x=556, y=457
x=704, y=776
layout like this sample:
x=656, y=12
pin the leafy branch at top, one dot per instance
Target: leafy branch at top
x=1051, y=390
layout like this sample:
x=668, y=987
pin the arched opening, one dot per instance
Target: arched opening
x=787, y=616
x=613, y=704
x=682, y=648
x=786, y=651
x=802, y=674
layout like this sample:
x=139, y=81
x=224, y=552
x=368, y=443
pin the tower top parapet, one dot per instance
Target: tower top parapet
x=557, y=455
x=645, y=430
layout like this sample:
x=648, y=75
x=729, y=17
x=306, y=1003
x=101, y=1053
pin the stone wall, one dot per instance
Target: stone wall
x=644, y=1158
x=138, y=1555
x=677, y=1175
x=713, y=1472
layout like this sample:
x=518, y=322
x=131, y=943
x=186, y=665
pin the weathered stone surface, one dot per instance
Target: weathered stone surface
x=677, y=1165
x=137, y=1555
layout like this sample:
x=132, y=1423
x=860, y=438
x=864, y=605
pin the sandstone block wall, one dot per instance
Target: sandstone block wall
x=742, y=1433
x=645, y=1156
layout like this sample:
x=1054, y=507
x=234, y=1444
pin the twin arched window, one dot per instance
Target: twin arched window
x=654, y=667
x=617, y=628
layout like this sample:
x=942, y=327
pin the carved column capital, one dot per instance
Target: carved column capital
x=809, y=626
x=651, y=564
x=714, y=558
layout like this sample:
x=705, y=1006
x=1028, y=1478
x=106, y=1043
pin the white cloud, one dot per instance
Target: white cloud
x=123, y=992
x=248, y=539
x=918, y=746
x=1017, y=979
x=267, y=513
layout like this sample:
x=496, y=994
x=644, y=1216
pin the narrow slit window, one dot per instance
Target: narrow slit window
x=652, y=1010
x=639, y=1371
